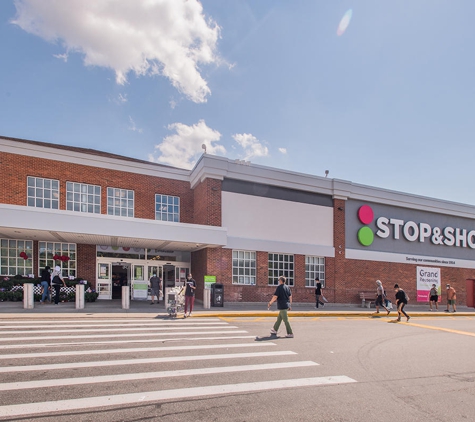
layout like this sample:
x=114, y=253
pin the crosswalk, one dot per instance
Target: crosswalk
x=51, y=367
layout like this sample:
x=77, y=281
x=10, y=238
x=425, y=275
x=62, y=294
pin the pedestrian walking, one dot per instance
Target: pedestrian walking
x=434, y=297
x=318, y=293
x=401, y=301
x=155, y=287
x=45, y=285
x=57, y=281
x=283, y=296
x=451, y=298
x=189, y=294
x=380, y=297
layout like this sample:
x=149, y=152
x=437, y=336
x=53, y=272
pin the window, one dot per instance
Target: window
x=58, y=254
x=244, y=267
x=83, y=198
x=314, y=267
x=12, y=261
x=167, y=208
x=281, y=264
x=43, y=193
x=120, y=202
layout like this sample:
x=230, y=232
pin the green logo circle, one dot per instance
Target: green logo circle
x=365, y=236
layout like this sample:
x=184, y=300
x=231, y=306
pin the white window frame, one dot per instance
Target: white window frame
x=120, y=202
x=169, y=211
x=314, y=267
x=244, y=267
x=50, y=249
x=38, y=193
x=10, y=250
x=79, y=196
x=280, y=264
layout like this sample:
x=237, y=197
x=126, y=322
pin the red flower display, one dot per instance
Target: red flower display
x=65, y=258
x=56, y=257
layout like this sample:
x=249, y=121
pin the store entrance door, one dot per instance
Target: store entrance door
x=120, y=277
x=168, y=277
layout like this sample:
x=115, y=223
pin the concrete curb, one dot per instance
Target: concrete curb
x=229, y=314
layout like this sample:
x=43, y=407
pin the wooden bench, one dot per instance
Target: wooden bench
x=367, y=298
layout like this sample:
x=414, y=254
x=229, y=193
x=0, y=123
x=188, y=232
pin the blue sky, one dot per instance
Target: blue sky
x=390, y=103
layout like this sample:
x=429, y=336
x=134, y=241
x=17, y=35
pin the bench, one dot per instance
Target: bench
x=367, y=298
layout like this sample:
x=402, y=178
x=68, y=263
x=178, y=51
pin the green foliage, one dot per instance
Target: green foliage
x=6, y=284
x=11, y=296
x=90, y=296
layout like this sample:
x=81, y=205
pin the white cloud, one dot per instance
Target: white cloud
x=183, y=148
x=133, y=127
x=167, y=37
x=251, y=145
x=63, y=57
x=121, y=99
x=283, y=150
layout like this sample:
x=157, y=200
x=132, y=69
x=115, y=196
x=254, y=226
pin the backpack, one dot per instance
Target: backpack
x=56, y=280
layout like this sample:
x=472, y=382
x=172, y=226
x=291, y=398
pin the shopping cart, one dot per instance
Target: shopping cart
x=176, y=301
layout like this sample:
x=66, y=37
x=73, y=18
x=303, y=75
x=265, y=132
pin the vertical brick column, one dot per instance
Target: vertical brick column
x=339, y=282
x=207, y=203
x=86, y=263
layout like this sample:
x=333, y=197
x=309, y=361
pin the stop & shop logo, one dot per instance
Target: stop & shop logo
x=365, y=234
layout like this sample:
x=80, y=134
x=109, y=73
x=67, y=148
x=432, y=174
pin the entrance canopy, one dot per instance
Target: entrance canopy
x=28, y=223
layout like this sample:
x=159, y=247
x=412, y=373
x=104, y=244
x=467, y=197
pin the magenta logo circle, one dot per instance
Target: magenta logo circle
x=366, y=214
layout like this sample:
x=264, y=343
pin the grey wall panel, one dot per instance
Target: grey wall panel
x=276, y=192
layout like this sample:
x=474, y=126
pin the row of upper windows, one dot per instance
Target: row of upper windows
x=245, y=264
x=81, y=197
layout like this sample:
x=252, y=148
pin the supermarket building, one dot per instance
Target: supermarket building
x=113, y=220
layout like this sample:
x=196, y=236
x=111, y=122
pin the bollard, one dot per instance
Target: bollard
x=28, y=297
x=125, y=297
x=206, y=299
x=79, y=296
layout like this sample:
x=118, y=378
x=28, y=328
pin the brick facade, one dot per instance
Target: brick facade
x=344, y=278
x=16, y=169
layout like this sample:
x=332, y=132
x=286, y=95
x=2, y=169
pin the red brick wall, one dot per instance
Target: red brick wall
x=345, y=278
x=86, y=263
x=335, y=284
x=207, y=203
x=16, y=169
x=362, y=275
x=218, y=262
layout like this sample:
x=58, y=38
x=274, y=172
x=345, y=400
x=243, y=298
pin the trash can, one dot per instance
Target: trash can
x=217, y=294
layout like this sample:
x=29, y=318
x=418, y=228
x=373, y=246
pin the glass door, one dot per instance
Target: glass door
x=139, y=288
x=158, y=271
x=155, y=269
x=180, y=275
x=104, y=280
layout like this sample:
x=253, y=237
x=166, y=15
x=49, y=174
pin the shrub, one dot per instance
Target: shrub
x=6, y=284
x=90, y=296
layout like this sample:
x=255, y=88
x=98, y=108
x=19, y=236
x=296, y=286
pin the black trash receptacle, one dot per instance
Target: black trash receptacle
x=217, y=294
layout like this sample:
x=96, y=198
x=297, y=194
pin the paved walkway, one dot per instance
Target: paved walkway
x=140, y=309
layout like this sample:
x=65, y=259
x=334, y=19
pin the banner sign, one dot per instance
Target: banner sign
x=426, y=277
x=209, y=280
x=140, y=290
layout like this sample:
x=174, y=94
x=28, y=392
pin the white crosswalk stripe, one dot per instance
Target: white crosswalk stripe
x=63, y=355
x=173, y=333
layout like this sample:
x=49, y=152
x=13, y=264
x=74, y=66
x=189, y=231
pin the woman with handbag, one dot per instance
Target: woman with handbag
x=57, y=281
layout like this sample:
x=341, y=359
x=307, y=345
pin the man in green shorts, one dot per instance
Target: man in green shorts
x=283, y=296
x=451, y=298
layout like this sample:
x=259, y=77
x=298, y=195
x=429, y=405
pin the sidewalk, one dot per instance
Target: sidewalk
x=142, y=309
